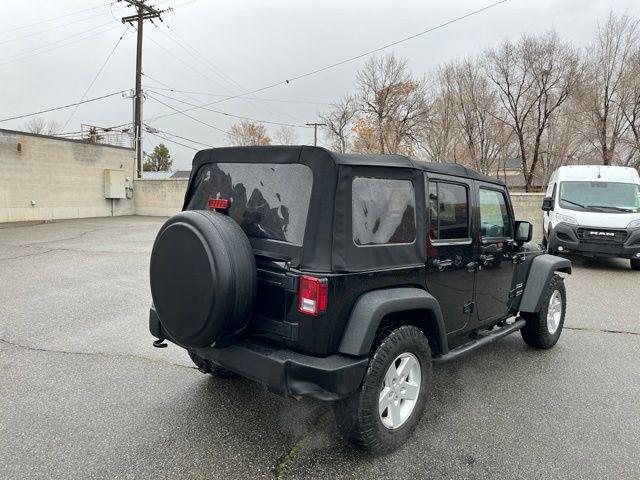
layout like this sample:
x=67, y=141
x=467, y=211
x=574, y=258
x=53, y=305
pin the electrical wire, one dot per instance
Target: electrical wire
x=350, y=59
x=200, y=57
x=172, y=141
x=32, y=34
x=47, y=48
x=55, y=18
x=209, y=94
x=104, y=64
x=17, y=117
x=177, y=136
x=231, y=114
x=188, y=116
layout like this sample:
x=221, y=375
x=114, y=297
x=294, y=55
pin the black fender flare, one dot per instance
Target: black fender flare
x=543, y=267
x=371, y=307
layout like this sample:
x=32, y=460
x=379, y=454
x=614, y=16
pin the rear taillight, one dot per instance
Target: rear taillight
x=218, y=204
x=312, y=295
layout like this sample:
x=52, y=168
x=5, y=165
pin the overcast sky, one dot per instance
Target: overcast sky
x=248, y=44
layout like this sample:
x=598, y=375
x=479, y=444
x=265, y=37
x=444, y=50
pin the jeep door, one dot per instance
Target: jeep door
x=494, y=252
x=450, y=248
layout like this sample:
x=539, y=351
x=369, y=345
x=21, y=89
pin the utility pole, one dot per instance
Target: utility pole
x=315, y=131
x=143, y=12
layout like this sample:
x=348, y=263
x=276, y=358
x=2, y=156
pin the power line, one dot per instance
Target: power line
x=231, y=114
x=182, y=43
x=46, y=48
x=55, y=18
x=104, y=64
x=209, y=94
x=39, y=32
x=342, y=62
x=189, y=116
x=154, y=130
x=171, y=140
x=17, y=117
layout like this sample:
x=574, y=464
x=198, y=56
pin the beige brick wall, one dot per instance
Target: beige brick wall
x=161, y=198
x=64, y=178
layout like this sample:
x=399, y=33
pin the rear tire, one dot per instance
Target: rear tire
x=543, y=328
x=386, y=409
x=207, y=366
x=635, y=264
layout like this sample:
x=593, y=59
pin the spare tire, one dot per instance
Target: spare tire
x=203, y=278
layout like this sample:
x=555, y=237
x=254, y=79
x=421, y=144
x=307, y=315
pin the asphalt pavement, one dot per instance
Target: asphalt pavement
x=83, y=394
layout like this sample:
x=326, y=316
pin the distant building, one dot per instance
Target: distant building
x=181, y=174
x=156, y=175
x=510, y=172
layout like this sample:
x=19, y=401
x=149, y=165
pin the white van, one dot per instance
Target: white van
x=593, y=210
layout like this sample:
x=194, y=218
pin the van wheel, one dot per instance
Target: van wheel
x=383, y=413
x=635, y=264
x=207, y=366
x=543, y=328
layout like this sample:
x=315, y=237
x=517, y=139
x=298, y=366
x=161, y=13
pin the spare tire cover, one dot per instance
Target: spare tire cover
x=203, y=277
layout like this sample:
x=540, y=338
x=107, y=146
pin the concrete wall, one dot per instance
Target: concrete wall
x=65, y=178
x=527, y=206
x=161, y=198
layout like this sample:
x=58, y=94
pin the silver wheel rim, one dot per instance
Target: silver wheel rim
x=554, y=312
x=400, y=390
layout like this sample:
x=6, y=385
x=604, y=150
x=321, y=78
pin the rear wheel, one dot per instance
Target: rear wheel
x=387, y=407
x=543, y=328
x=635, y=264
x=207, y=366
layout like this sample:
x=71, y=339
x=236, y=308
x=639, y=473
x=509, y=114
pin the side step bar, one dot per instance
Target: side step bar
x=480, y=342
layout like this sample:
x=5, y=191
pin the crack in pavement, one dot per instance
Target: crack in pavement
x=600, y=330
x=129, y=356
x=74, y=250
x=287, y=458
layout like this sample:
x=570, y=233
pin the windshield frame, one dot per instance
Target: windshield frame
x=568, y=203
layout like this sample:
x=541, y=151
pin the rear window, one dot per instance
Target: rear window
x=268, y=200
x=383, y=211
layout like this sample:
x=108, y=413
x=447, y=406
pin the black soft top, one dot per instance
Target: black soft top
x=328, y=244
x=248, y=154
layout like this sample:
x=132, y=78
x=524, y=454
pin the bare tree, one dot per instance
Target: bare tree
x=534, y=77
x=41, y=126
x=393, y=103
x=604, y=95
x=631, y=110
x=339, y=121
x=438, y=135
x=248, y=133
x=477, y=111
x=285, y=135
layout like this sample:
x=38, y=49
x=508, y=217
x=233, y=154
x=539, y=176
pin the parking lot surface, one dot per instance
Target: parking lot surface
x=83, y=394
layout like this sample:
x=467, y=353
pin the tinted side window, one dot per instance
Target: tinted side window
x=383, y=211
x=449, y=211
x=494, y=214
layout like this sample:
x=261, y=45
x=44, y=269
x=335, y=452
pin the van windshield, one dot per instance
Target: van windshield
x=268, y=200
x=614, y=197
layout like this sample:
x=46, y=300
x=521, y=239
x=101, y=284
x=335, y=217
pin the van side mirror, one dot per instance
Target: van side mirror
x=547, y=204
x=524, y=232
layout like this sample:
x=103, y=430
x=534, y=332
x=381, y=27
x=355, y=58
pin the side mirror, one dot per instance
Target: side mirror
x=524, y=232
x=547, y=204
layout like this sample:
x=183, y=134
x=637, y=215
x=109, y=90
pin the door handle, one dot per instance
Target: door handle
x=442, y=264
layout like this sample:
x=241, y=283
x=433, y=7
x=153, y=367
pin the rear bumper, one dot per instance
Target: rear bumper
x=566, y=236
x=283, y=371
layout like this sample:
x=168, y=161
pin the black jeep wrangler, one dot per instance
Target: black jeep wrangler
x=343, y=277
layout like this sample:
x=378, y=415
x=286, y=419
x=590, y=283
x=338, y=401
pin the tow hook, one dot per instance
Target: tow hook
x=160, y=343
